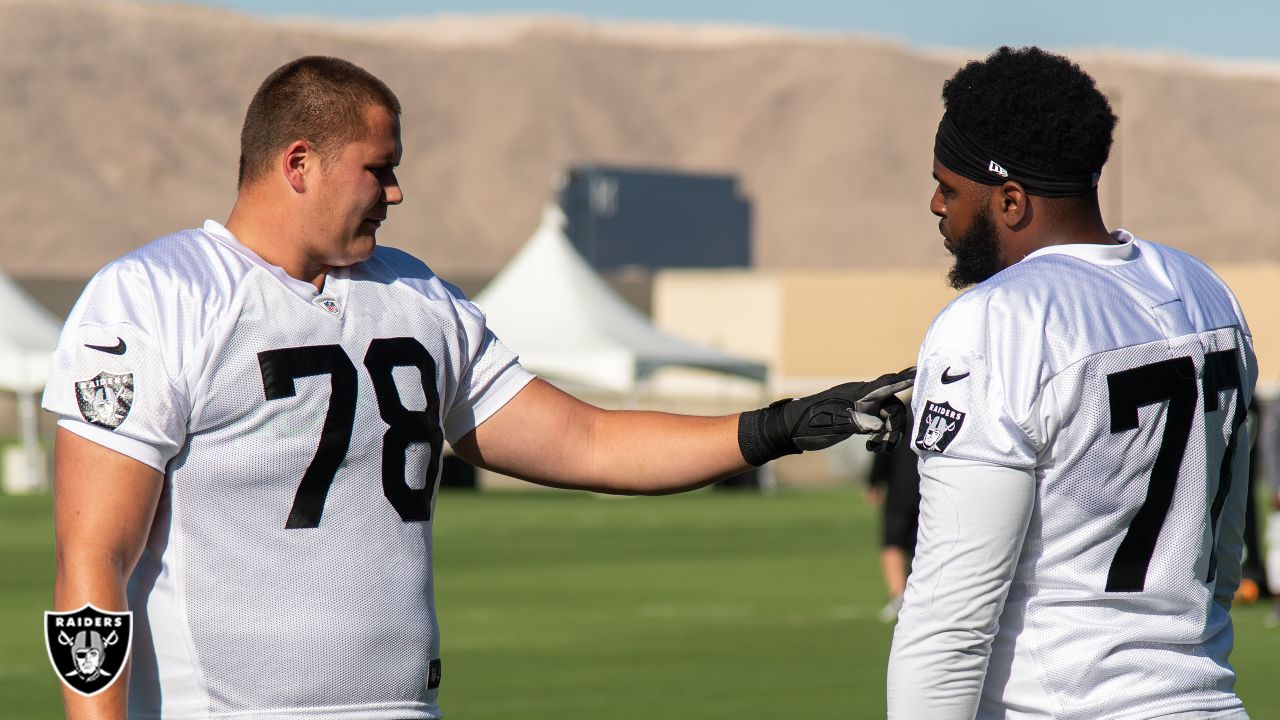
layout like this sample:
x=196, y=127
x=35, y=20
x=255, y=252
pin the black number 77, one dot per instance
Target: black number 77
x=1173, y=380
x=280, y=368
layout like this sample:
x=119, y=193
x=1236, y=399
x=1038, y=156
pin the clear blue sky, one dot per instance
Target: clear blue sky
x=1239, y=30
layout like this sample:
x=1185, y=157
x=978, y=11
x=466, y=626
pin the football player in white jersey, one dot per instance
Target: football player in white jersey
x=252, y=417
x=1080, y=422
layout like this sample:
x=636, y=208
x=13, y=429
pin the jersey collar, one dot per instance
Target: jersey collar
x=301, y=288
x=1124, y=251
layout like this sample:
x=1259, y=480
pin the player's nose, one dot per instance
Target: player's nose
x=391, y=192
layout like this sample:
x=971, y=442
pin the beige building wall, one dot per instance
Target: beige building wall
x=738, y=311
x=1257, y=287
x=812, y=328
x=842, y=325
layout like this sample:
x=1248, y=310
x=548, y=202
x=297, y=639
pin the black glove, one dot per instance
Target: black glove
x=819, y=421
x=897, y=420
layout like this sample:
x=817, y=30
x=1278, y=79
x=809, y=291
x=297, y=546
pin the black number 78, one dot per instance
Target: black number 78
x=1173, y=380
x=280, y=368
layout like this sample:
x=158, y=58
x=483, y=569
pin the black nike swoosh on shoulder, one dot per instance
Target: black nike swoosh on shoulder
x=117, y=349
x=948, y=379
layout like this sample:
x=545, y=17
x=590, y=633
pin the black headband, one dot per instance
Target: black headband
x=963, y=156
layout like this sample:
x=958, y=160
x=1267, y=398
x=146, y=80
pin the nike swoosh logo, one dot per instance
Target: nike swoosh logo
x=117, y=349
x=948, y=379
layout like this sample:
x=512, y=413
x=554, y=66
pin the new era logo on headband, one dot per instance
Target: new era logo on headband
x=962, y=155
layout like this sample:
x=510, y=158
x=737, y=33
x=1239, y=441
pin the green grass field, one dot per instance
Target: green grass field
x=561, y=605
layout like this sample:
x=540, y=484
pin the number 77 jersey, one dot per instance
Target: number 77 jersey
x=288, y=571
x=1118, y=376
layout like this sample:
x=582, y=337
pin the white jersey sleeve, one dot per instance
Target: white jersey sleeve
x=115, y=375
x=492, y=375
x=975, y=390
x=973, y=517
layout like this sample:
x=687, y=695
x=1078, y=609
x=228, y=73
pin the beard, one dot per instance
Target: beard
x=977, y=253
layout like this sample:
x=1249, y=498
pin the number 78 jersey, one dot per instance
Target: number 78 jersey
x=1118, y=375
x=289, y=569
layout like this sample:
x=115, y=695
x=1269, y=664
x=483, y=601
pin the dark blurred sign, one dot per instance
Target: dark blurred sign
x=621, y=218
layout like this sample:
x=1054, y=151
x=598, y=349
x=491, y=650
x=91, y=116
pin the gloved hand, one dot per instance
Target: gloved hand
x=790, y=426
x=897, y=421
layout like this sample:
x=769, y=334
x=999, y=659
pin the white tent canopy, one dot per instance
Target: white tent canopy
x=28, y=334
x=565, y=322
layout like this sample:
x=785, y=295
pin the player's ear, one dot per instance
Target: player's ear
x=296, y=163
x=1010, y=201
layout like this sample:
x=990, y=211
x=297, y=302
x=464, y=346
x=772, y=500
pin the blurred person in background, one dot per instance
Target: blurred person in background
x=1253, y=571
x=252, y=416
x=894, y=487
x=1266, y=453
x=1080, y=421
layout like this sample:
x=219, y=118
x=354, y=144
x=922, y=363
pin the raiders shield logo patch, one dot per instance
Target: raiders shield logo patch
x=105, y=400
x=938, y=427
x=88, y=647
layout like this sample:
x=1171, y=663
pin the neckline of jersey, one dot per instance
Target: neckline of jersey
x=1123, y=251
x=301, y=288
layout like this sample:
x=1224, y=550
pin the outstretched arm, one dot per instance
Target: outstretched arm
x=549, y=437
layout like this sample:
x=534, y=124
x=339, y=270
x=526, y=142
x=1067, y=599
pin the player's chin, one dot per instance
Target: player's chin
x=365, y=254
x=359, y=249
x=367, y=235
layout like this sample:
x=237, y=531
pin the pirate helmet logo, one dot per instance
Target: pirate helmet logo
x=938, y=427
x=88, y=647
x=105, y=399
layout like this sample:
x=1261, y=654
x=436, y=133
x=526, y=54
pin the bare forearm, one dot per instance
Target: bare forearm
x=623, y=452
x=98, y=582
x=99, y=537
x=89, y=576
x=657, y=453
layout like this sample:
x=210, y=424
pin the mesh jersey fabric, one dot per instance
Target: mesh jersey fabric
x=266, y=404
x=1037, y=368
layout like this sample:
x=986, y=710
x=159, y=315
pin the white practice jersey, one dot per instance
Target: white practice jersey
x=288, y=573
x=1117, y=378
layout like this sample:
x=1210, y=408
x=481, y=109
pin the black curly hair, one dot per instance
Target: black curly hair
x=1034, y=107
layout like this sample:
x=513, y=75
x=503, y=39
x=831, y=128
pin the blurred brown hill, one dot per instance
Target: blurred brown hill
x=121, y=123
